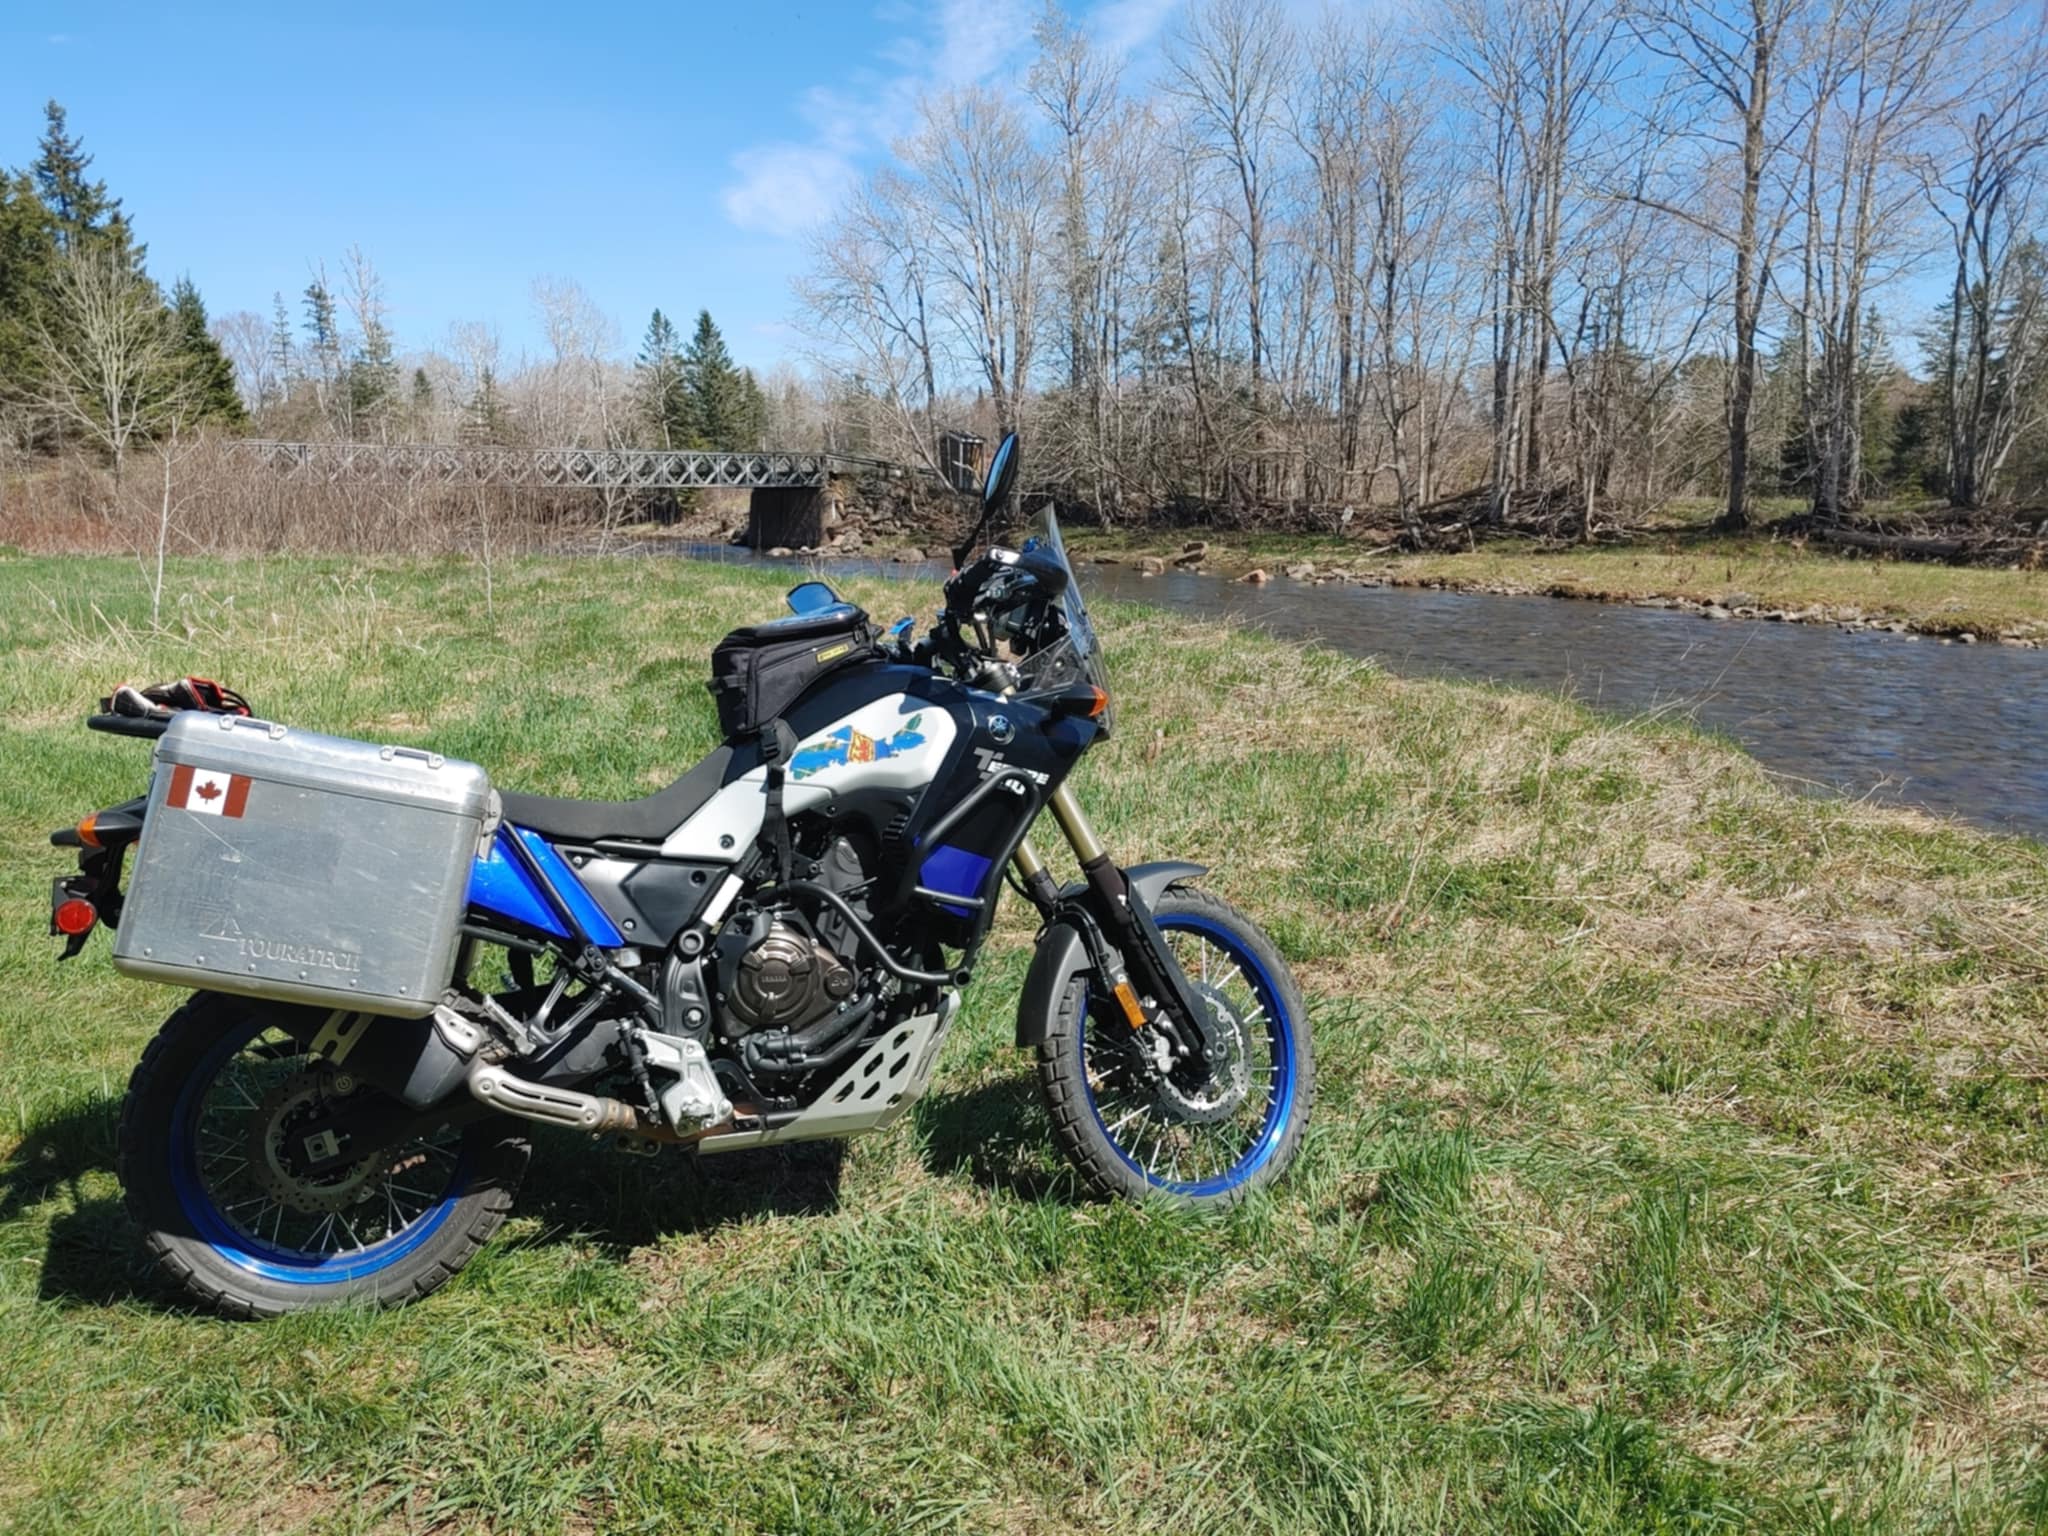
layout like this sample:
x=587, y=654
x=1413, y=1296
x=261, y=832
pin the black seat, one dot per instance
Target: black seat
x=641, y=821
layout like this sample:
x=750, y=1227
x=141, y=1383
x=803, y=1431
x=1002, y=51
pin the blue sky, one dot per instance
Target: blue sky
x=667, y=155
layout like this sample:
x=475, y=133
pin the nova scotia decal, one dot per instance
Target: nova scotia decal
x=846, y=745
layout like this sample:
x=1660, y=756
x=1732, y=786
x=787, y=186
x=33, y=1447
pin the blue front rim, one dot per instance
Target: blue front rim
x=337, y=1253
x=1278, y=1035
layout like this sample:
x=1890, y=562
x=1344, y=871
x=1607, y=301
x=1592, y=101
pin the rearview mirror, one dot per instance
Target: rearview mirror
x=1002, y=474
x=810, y=597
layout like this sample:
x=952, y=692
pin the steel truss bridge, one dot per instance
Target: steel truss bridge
x=597, y=469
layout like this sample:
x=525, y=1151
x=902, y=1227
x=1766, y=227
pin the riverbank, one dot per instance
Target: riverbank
x=1677, y=1166
x=1716, y=578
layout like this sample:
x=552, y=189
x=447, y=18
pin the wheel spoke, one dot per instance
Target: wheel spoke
x=1150, y=1123
x=241, y=1146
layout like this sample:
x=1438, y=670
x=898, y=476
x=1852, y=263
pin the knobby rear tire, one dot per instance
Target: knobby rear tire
x=221, y=1273
x=1078, y=1127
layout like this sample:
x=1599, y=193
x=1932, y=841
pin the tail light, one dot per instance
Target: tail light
x=74, y=916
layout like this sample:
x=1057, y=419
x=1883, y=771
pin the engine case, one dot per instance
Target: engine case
x=773, y=975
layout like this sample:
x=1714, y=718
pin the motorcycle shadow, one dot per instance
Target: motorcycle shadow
x=592, y=1196
x=997, y=1134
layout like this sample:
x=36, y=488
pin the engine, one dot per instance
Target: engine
x=778, y=969
x=780, y=978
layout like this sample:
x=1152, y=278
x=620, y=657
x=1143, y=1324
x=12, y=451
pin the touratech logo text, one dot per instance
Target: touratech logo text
x=301, y=954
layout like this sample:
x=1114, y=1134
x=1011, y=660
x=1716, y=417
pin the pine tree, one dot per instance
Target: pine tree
x=373, y=376
x=82, y=216
x=663, y=395
x=284, y=356
x=208, y=375
x=717, y=403
x=483, y=419
x=28, y=251
x=753, y=412
x=323, y=335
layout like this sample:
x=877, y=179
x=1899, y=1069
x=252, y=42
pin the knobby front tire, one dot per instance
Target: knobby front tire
x=1124, y=1148
x=218, y=1243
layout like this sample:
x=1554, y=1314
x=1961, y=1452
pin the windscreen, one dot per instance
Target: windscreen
x=1077, y=657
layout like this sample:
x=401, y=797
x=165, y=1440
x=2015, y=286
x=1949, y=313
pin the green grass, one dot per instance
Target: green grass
x=1677, y=1167
x=1672, y=559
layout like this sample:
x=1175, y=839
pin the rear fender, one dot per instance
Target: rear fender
x=1061, y=952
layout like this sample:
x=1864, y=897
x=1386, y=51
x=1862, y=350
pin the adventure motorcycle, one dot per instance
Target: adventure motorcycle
x=400, y=964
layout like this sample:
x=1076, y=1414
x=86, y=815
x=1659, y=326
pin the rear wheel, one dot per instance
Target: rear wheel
x=1135, y=1132
x=250, y=1207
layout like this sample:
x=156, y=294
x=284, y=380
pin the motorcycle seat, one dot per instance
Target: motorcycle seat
x=646, y=820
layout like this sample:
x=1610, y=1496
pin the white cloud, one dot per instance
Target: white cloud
x=1124, y=26
x=785, y=188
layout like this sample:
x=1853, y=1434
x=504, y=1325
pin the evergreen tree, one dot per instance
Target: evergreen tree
x=27, y=253
x=717, y=393
x=483, y=418
x=753, y=412
x=373, y=376
x=422, y=397
x=284, y=356
x=663, y=396
x=323, y=335
x=82, y=215
x=208, y=375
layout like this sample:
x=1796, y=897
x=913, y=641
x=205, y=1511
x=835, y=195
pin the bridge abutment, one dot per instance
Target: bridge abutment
x=794, y=516
x=785, y=517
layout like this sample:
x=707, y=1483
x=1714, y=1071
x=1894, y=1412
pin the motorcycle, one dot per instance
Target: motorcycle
x=400, y=967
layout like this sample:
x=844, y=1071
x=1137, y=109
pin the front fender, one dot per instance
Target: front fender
x=1061, y=953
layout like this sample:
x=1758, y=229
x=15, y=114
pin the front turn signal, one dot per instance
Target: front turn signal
x=1127, y=999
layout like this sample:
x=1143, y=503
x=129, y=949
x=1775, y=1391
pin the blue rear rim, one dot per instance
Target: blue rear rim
x=1203, y=1161
x=394, y=1205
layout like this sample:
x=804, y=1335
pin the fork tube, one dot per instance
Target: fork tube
x=1038, y=882
x=1066, y=810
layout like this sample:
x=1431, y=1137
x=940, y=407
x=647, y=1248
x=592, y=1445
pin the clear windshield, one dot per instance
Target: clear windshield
x=1077, y=657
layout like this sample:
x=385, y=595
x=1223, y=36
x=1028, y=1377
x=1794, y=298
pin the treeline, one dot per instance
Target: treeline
x=1575, y=252
x=91, y=347
x=95, y=356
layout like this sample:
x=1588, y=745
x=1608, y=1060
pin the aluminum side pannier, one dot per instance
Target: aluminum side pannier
x=314, y=869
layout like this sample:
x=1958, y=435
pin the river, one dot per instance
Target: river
x=1958, y=730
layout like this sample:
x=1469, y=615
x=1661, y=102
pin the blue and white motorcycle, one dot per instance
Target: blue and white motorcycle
x=400, y=966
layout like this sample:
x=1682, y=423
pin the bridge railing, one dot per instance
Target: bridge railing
x=633, y=469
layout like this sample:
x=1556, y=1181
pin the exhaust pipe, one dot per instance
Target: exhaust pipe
x=501, y=1090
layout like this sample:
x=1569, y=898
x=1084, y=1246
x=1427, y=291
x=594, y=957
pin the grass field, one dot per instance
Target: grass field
x=1677, y=1166
x=1674, y=561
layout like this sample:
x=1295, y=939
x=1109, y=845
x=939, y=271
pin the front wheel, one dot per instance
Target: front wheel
x=1137, y=1133
x=222, y=1116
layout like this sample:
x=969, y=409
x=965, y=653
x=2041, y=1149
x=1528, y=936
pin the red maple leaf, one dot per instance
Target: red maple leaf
x=208, y=791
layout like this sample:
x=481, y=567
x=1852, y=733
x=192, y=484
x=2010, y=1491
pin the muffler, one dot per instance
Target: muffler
x=493, y=1085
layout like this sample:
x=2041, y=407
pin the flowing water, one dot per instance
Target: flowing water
x=1960, y=730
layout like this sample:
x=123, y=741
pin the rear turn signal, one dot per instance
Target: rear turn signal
x=75, y=916
x=89, y=833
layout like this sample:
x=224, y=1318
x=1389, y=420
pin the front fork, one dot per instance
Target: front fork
x=1137, y=969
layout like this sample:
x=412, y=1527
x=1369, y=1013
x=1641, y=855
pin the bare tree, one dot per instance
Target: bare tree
x=981, y=183
x=1541, y=72
x=1729, y=55
x=1228, y=67
x=1995, y=342
x=1883, y=71
x=869, y=300
x=109, y=356
x=245, y=337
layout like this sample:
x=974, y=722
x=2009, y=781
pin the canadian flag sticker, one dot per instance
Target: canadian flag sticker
x=208, y=791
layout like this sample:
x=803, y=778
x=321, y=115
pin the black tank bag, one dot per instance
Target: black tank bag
x=759, y=672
